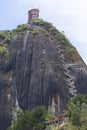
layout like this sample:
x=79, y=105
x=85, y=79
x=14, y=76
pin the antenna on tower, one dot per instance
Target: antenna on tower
x=31, y=6
x=38, y=6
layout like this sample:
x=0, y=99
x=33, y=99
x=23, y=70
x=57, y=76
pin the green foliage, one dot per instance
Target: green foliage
x=33, y=30
x=4, y=42
x=2, y=36
x=51, y=30
x=3, y=51
x=17, y=120
x=74, y=113
x=83, y=117
x=21, y=28
x=38, y=22
x=41, y=22
x=6, y=36
x=48, y=116
x=68, y=126
x=48, y=29
x=71, y=54
x=77, y=111
x=69, y=51
x=82, y=98
x=31, y=120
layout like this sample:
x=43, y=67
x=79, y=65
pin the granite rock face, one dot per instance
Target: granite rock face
x=38, y=71
x=39, y=67
x=7, y=100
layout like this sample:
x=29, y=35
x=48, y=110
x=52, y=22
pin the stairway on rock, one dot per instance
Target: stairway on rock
x=68, y=77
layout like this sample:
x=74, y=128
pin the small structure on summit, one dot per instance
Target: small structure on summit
x=33, y=14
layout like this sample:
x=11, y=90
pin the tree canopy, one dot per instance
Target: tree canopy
x=30, y=120
x=77, y=111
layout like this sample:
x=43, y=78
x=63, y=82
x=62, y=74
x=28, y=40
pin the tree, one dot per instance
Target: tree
x=82, y=98
x=77, y=111
x=83, y=117
x=17, y=120
x=74, y=113
x=31, y=120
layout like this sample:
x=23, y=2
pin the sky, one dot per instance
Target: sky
x=69, y=16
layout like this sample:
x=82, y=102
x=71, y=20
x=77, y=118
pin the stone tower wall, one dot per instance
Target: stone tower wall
x=33, y=14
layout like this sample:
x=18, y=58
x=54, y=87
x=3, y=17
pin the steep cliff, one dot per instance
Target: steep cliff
x=7, y=100
x=38, y=66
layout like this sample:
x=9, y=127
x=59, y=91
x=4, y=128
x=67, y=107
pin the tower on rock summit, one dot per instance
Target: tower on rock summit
x=33, y=14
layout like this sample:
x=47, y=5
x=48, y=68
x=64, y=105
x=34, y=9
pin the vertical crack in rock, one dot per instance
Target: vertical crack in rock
x=30, y=73
x=25, y=40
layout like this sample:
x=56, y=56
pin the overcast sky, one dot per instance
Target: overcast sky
x=69, y=16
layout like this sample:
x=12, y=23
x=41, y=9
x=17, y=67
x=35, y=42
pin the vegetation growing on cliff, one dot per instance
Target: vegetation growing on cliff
x=35, y=119
x=70, y=52
x=30, y=120
x=3, y=51
x=6, y=36
x=77, y=112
